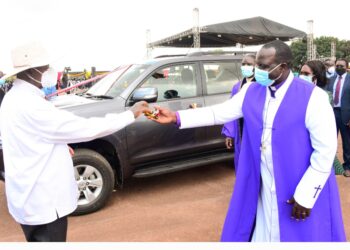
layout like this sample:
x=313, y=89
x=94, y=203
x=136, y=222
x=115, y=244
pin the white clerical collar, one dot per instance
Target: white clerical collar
x=283, y=88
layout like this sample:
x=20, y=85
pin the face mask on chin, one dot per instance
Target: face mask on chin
x=262, y=76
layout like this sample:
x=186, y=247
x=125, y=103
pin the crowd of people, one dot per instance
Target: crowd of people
x=283, y=130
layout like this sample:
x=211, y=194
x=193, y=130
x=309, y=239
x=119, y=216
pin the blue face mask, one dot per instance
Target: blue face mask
x=306, y=78
x=2, y=82
x=247, y=71
x=49, y=90
x=262, y=76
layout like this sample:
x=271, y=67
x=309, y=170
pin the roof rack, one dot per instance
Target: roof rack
x=162, y=56
x=205, y=53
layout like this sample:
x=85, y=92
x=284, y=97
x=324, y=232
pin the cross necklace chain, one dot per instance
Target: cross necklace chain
x=265, y=137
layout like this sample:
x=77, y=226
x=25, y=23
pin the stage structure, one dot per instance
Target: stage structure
x=251, y=31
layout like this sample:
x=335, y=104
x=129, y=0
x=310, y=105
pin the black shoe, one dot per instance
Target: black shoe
x=346, y=173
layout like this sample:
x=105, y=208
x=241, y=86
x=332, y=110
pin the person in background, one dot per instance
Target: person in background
x=41, y=189
x=314, y=71
x=2, y=94
x=339, y=85
x=233, y=130
x=2, y=83
x=330, y=67
x=283, y=189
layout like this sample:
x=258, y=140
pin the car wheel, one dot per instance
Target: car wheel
x=95, y=179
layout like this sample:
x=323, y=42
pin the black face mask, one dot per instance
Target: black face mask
x=340, y=71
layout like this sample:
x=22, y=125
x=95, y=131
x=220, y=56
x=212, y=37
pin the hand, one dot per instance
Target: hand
x=164, y=116
x=139, y=108
x=228, y=142
x=299, y=212
x=71, y=151
x=193, y=106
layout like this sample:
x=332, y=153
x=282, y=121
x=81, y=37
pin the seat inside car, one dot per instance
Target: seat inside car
x=187, y=76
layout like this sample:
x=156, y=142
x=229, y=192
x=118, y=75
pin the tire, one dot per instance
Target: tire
x=95, y=179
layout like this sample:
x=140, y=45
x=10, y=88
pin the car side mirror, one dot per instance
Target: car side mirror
x=145, y=94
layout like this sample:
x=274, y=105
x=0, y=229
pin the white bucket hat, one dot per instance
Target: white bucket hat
x=29, y=55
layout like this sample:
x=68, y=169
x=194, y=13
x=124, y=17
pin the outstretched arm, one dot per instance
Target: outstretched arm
x=208, y=116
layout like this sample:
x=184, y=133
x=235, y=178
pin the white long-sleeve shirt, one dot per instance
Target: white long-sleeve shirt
x=319, y=121
x=40, y=183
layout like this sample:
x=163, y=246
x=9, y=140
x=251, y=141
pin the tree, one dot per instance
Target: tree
x=324, y=44
x=323, y=47
x=343, y=49
x=299, y=54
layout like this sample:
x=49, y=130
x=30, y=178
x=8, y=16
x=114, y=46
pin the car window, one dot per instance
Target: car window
x=176, y=81
x=102, y=86
x=117, y=81
x=221, y=76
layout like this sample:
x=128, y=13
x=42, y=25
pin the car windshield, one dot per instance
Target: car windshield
x=117, y=81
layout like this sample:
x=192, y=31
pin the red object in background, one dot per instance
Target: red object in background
x=59, y=76
x=166, y=73
x=59, y=91
x=59, y=79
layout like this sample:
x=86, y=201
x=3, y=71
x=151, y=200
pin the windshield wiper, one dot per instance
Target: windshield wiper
x=88, y=95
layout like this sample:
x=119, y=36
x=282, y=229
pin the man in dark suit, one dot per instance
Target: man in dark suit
x=339, y=84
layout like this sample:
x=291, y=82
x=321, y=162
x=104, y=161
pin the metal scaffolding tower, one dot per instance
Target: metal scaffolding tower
x=311, y=49
x=148, y=40
x=314, y=51
x=196, y=29
x=333, y=50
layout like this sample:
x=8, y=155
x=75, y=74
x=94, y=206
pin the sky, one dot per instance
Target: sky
x=107, y=33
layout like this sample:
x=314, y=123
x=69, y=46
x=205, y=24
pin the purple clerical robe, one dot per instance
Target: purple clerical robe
x=231, y=129
x=291, y=152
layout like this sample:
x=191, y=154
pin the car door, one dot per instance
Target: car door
x=218, y=79
x=178, y=86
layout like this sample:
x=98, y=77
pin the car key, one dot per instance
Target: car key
x=153, y=114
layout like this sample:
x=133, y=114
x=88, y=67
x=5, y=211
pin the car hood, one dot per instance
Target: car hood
x=63, y=101
x=96, y=108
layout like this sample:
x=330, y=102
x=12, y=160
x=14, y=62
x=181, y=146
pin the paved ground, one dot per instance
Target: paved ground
x=186, y=206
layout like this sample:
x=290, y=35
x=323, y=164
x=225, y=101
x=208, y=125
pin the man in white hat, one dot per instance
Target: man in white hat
x=40, y=186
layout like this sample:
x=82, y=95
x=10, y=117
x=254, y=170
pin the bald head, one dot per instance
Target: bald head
x=283, y=53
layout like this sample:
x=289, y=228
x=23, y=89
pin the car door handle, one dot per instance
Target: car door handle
x=194, y=105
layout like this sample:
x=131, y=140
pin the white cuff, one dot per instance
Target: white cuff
x=310, y=187
x=200, y=117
